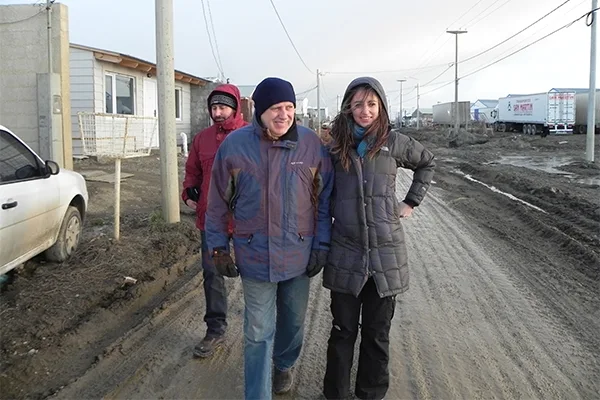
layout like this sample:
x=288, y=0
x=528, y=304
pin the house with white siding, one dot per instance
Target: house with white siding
x=108, y=82
x=482, y=110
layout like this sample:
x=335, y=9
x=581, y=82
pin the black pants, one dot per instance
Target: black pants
x=215, y=294
x=372, y=379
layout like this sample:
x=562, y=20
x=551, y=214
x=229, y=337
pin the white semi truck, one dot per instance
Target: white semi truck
x=550, y=112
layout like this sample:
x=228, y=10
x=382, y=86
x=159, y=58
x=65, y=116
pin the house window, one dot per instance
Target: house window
x=108, y=84
x=178, y=103
x=120, y=94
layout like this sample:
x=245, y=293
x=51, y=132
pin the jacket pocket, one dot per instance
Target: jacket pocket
x=301, y=200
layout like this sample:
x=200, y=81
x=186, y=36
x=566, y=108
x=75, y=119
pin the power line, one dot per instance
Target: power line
x=212, y=49
x=384, y=71
x=212, y=24
x=290, y=39
x=444, y=34
x=436, y=78
x=526, y=39
x=518, y=33
x=586, y=15
x=488, y=14
x=481, y=12
x=26, y=18
x=432, y=90
x=436, y=50
x=530, y=44
x=429, y=83
x=306, y=91
x=442, y=85
x=465, y=13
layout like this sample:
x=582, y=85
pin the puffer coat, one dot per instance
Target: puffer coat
x=367, y=238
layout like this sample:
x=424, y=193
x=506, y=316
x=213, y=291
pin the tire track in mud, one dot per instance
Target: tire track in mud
x=542, y=262
x=471, y=326
x=155, y=360
x=511, y=344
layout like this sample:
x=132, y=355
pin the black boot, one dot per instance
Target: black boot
x=283, y=381
x=208, y=346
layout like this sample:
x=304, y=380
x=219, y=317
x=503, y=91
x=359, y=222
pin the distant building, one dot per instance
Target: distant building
x=426, y=117
x=246, y=92
x=483, y=103
x=481, y=110
x=324, y=113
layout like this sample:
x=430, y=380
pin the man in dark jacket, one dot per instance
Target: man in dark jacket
x=224, y=107
x=276, y=178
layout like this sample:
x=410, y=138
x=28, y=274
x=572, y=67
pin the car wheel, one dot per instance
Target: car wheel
x=68, y=237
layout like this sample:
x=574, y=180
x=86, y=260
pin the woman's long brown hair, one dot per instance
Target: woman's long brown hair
x=342, y=128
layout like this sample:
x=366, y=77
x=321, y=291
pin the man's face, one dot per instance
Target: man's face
x=279, y=118
x=220, y=112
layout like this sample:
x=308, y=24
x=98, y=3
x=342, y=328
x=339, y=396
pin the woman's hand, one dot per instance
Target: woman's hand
x=404, y=210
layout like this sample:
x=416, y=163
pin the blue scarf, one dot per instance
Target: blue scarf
x=362, y=143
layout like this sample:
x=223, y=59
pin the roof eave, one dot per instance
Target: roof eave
x=138, y=64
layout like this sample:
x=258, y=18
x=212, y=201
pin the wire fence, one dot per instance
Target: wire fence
x=116, y=135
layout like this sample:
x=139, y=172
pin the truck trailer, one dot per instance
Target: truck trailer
x=443, y=113
x=550, y=112
x=581, y=112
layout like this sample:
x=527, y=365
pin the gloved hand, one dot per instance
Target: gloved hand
x=193, y=194
x=224, y=264
x=318, y=259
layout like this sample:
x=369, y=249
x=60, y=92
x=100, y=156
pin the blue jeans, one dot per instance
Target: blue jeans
x=214, y=293
x=273, y=330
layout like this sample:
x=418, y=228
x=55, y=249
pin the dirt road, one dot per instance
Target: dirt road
x=503, y=301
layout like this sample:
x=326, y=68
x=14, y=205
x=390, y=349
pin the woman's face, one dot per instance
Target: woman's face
x=365, y=107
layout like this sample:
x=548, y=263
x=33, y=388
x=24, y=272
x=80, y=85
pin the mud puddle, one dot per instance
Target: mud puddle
x=551, y=165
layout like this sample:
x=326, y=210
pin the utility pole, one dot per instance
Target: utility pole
x=50, y=124
x=338, y=103
x=165, y=71
x=591, y=120
x=49, y=26
x=318, y=103
x=401, y=119
x=456, y=114
x=418, y=111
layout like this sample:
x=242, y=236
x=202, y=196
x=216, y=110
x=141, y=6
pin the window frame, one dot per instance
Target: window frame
x=114, y=76
x=179, y=100
x=25, y=151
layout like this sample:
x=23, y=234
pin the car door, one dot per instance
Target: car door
x=27, y=198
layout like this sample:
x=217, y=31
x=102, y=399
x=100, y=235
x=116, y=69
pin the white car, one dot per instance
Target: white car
x=41, y=206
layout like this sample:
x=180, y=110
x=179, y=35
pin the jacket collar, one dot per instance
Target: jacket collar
x=289, y=140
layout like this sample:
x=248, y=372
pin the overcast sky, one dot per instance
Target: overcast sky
x=350, y=38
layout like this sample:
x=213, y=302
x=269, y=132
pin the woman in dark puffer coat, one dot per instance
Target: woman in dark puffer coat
x=367, y=263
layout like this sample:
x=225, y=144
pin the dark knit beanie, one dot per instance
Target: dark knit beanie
x=222, y=98
x=272, y=91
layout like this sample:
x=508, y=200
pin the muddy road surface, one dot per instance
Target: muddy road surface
x=503, y=303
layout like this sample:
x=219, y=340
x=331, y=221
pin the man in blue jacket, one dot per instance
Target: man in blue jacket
x=275, y=177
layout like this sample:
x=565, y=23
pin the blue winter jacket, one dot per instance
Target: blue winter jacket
x=278, y=193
